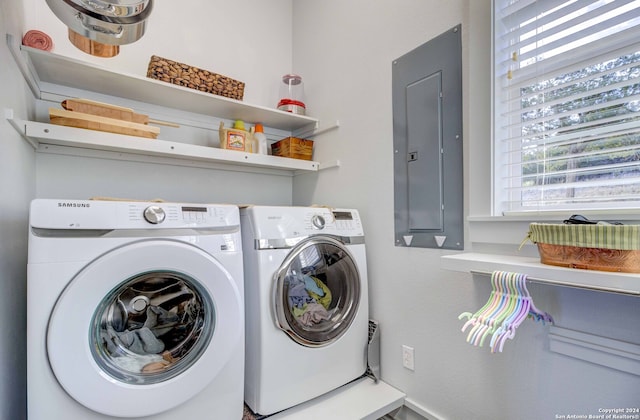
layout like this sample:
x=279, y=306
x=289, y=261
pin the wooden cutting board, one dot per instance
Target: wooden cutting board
x=101, y=123
x=104, y=110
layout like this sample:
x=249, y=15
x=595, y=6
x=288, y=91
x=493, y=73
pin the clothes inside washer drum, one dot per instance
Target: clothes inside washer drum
x=141, y=341
x=150, y=324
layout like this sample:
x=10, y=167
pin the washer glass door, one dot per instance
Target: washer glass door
x=145, y=327
x=152, y=327
x=317, y=291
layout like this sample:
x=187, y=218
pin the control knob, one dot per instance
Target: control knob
x=317, y=221
x=154, y=214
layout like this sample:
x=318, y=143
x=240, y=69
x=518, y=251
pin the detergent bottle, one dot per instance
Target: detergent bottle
x=261, y=139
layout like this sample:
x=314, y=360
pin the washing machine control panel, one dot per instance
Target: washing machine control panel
x=176, y=216
x=115, y=214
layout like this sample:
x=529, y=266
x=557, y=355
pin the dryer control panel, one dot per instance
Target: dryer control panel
x=295, y=222
x=342, y=221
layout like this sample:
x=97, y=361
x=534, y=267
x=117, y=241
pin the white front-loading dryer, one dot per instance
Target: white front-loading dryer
x=134, y=310
x=306, y=303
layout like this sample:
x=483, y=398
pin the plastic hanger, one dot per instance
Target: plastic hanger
x=484, y=319
x=493, y=297
x=518, y=311
x=538, y=314
x=509, y=304
x=505, y=310
x=502, y=312
x=509, y=326
x=508, y=323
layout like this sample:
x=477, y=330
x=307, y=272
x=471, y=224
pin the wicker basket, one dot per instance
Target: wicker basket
x=293, y=147
x=192, y=77
x=589, y=246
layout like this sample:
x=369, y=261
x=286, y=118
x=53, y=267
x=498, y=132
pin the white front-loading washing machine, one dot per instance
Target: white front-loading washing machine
x=134, y=310
x=306, y=303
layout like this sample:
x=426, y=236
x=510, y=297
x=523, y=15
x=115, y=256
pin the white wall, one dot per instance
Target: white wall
x=347, y=71
x=17, y=187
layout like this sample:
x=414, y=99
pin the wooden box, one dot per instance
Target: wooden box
x=293, y=147
x=194, y=78
x=588, y=246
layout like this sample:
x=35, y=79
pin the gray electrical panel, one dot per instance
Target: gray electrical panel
x=427, y=143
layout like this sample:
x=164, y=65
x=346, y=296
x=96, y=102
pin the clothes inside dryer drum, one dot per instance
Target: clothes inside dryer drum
x=309, y=299
x=152, y=327
x=321, y=292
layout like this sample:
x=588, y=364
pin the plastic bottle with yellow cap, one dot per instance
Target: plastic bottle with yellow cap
x=236, y=138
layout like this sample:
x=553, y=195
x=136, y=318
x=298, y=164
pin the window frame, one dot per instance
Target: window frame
x=498, y=192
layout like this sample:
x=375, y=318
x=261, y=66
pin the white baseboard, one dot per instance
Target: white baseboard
x=421, y=410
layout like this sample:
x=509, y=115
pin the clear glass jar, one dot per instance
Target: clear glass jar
x=292, y=94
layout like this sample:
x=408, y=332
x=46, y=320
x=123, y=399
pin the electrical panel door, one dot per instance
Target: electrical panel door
x=427, y=141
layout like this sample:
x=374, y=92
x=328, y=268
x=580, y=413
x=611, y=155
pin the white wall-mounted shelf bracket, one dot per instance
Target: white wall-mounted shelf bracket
x=330, y=164
x=27, y=73
x=316, y=131
x=20, y=127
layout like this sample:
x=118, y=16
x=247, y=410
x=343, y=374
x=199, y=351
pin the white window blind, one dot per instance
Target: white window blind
x=566, y=104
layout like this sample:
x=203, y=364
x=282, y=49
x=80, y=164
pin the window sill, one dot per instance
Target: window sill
x=623, y=215
x=481, y=263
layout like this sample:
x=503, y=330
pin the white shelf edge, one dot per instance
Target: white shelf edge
x=41, y=133
x=479, y=263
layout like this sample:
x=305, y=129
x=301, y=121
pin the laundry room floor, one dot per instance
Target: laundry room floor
x=248, y=414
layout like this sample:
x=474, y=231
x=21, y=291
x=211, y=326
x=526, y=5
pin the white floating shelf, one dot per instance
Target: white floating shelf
x=46, y=71
x=52, y=74
x=623, y=283
x=50, y=134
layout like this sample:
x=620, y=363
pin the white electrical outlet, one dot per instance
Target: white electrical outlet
x=407, y=357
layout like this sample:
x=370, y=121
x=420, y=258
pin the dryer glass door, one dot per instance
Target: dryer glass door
x=317, y=291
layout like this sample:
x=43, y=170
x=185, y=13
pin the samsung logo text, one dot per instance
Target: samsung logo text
x=74, y=205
